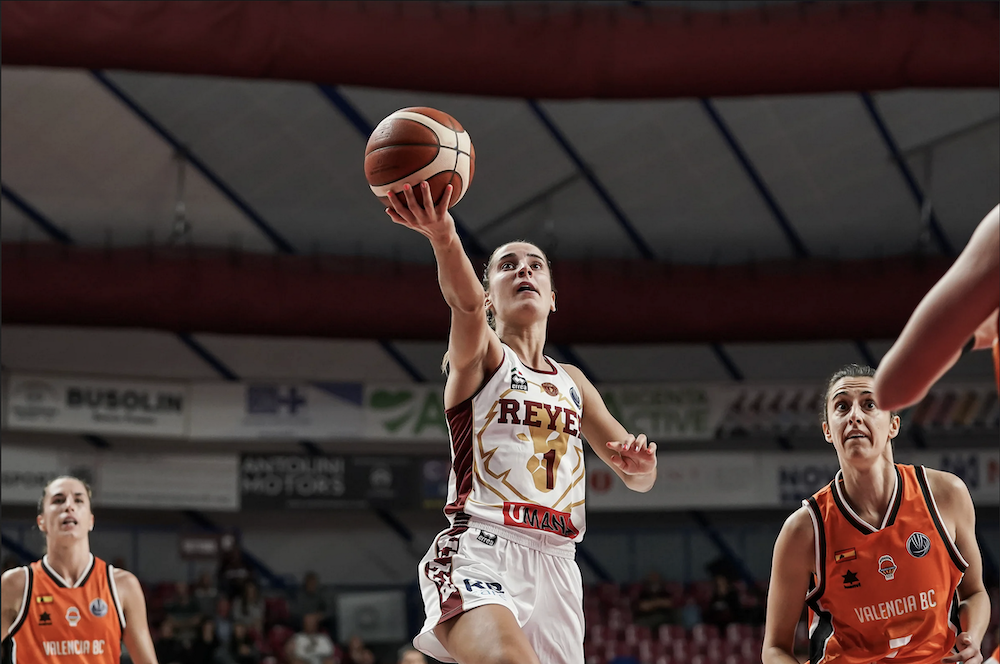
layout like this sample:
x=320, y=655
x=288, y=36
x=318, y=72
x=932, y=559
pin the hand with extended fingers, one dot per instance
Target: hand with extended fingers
x=420, y=214
x=633, y=456
x=968, y=652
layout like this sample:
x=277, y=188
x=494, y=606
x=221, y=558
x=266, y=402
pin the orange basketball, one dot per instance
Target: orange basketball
x=416, y=144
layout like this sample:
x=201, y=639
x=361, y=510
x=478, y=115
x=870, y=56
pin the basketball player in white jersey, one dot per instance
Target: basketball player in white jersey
x=502, y=585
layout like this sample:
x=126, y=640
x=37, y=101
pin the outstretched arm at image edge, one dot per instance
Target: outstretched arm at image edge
x=791, y=567
x=944, y=321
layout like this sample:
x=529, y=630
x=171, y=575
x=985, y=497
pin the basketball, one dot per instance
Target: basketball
x=416, y=144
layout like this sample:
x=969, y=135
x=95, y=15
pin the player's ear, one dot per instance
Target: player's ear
x=893, y=426
x=40, y=522
x=827, y=434
x=553, y=307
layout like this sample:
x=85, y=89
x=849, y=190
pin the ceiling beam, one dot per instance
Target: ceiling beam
x=524, y=49
x=603, y=301
x=640, y=245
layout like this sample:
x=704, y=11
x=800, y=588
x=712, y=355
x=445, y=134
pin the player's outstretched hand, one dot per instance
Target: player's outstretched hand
x=968, y=652
x=634, y=455
x=432, y=222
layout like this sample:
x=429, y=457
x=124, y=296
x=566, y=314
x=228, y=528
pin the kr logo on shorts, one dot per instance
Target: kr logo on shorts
x=483, y=588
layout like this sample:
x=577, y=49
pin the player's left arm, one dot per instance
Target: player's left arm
x=943, y=322
x=137, y=638
x=959, y=515
x=632, y=458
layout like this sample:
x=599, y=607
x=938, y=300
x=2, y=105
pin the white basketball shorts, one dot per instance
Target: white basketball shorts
x=484, y=563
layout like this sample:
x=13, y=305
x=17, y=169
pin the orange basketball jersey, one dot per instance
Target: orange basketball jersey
x=886, y=593
x=77, y=624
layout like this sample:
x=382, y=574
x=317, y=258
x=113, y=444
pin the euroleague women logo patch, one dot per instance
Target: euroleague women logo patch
x=99, y=608
x=918, y=545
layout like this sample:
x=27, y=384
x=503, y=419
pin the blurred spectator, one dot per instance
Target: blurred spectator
x=410, y=655
x=724, y=607
x=242, y=647
x=309, y=599
x=184, y=610
x=170, y=649
x=222, y=619
x=310, y=646
x=233, y=572
x=358, y=652
x=655, y=605
x=205, y=592
x=205, y=649
x=248, y=608
x=690, y=613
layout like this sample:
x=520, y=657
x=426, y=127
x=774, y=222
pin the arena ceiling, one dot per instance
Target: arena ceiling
x=691, y=196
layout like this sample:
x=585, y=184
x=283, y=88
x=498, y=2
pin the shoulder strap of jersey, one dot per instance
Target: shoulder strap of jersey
x=819, y=539
x=22, y=614
x=113, y=587
x=949, y=544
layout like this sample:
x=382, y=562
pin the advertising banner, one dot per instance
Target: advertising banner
x=161, y=481
x=26, y=471
x=274, y=410
x=684, y=480
x=413, y=412
x=768, y=479
x=302, y=481
x=669, y=412
x=168, y=481
x=96, y=405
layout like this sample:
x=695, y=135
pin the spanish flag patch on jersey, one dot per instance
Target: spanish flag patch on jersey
x=844, y=555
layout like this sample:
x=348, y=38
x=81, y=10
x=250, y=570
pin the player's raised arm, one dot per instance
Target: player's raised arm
x=633, y=458
x=473, y=348
x=944, y=321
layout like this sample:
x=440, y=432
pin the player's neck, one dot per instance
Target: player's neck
x=69, y=560
x=528, y=343
x=869, y=490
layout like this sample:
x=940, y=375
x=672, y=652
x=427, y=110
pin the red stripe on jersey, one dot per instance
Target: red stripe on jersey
x=460, y=426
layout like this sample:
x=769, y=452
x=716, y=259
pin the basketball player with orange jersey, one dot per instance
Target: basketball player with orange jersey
x=961, y=310
x=885, y=556
x=70, y=607
x=501, y=584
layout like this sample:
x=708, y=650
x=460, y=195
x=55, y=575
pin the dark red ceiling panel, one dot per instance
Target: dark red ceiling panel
x=599, y=302
x=520, y=49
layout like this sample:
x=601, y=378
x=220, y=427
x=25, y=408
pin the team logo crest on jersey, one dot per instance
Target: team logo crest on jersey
x=918, y=545
x=575, y=397
x=99, y=608
x=44, y=620
x=72, y=616
x=550, y=389
x=517, y=381
x=887, y=567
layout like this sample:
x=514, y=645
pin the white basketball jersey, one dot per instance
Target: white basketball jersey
x=517, y=452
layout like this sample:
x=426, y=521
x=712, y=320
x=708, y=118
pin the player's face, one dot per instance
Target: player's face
x=66, y=510
x=520, y=283
x=855, y=424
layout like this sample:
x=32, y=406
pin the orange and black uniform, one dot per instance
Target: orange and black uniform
x=888, y=593
x=59, y=623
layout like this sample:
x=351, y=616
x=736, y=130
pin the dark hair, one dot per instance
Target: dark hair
x=45, y=490
x=847, y=371
x=490, y=316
